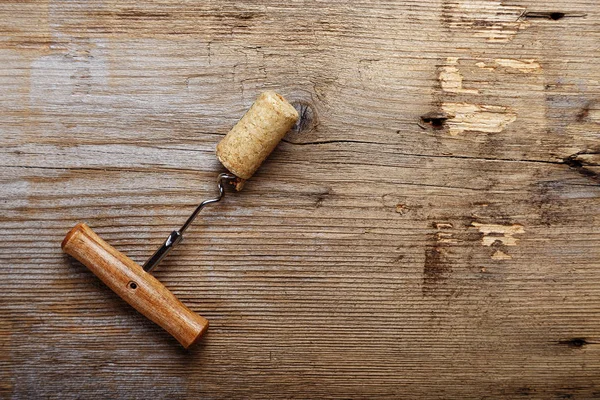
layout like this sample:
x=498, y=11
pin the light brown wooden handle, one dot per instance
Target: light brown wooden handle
x=137, y=287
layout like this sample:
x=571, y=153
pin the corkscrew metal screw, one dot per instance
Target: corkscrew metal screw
x=176, y=236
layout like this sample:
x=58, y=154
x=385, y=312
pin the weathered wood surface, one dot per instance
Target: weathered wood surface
x=429, y=230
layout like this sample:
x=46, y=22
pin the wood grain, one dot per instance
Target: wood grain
x=429, y=229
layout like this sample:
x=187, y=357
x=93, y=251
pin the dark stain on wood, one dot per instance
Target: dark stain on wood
x=545, y=197
x=552, y=15
x=584, y=114
x=525, y=391
x=579, y=165
x=574, y=342
x=321, y=196
x=437, y=266
x=446, y=16
x=563, y=395
x=434, y=119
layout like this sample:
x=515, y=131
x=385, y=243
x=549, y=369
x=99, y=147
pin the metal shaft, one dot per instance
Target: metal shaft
x=176, y=237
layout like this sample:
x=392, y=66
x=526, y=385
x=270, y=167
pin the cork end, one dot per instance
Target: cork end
x=231, y=167
x=281, y=105
x=256, y=134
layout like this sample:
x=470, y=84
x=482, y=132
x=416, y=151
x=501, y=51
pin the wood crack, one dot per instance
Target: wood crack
x=552, y=15
x=582, y=167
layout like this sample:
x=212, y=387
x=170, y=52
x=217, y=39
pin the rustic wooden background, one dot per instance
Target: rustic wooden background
x=429, y=230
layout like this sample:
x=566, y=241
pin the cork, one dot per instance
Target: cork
x=256, y=135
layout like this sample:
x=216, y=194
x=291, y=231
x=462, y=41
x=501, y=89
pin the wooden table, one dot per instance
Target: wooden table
x=430, y=229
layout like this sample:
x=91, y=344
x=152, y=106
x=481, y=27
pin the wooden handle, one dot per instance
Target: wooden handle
x=137, y=287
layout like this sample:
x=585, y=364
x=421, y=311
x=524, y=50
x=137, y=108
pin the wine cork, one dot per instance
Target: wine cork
x=256, y=135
